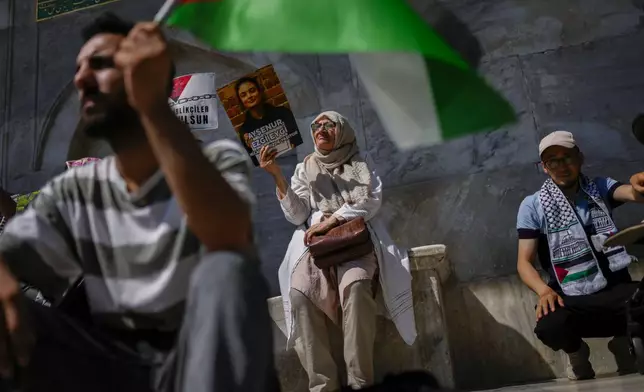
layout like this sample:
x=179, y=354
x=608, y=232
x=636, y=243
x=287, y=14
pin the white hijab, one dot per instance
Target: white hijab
x=341, y=175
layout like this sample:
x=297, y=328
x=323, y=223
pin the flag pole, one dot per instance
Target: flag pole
x=165, y=10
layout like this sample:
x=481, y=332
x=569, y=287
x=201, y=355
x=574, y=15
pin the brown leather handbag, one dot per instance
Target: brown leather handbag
x=347, y=242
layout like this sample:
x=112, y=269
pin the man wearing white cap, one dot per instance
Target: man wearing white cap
x=565, y=224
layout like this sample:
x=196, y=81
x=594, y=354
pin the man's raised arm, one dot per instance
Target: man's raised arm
x=215, y=212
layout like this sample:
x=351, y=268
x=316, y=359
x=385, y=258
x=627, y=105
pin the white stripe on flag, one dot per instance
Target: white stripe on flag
x=400, y=91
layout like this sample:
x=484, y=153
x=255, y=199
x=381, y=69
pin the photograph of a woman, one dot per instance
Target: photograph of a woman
x=260, y=113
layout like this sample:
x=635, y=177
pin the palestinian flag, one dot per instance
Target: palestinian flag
x=423, y=91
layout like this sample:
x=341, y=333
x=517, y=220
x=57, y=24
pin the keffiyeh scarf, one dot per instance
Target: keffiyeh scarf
x=573, y=260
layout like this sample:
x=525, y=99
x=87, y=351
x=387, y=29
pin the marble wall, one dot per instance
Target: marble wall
x=574, y=64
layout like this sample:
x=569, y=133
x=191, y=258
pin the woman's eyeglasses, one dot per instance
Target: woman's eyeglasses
x=328, y=126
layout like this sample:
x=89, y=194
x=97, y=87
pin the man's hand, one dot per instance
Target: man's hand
x=15, y=340
x=144, y=58
x=320, y=229
x=637, y=181
x=548, y=301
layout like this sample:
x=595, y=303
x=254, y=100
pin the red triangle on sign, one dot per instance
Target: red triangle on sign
x=178, y=85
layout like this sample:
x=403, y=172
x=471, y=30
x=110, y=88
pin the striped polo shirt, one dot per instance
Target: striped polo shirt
x=134, y=250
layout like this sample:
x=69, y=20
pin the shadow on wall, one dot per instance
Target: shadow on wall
x=486, y=353
x=450, y=28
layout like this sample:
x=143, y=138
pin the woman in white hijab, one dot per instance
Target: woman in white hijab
x=333, y=185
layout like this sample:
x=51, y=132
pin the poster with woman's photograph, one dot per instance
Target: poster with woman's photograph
x=259, y=110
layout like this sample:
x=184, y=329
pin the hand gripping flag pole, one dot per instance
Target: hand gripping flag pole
x=165, y=11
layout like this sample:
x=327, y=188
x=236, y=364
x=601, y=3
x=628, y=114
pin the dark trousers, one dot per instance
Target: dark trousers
x=225, y=342
x=598, y=315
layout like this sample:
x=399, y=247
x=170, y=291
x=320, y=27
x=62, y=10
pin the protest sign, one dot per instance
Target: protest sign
x=260, y=112
x=194, y=101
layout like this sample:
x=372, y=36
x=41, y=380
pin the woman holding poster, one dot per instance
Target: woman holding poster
x=332, y=187
x=265, y=124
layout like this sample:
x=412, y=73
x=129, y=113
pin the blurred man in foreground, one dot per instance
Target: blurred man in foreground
x=160, y=234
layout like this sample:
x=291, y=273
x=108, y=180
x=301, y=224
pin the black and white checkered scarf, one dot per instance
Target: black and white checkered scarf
x=573, y=260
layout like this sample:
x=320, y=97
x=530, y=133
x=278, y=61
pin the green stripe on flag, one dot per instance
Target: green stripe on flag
x=580, y=275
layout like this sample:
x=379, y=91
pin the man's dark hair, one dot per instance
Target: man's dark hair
x=107, y=23
x=110, y=23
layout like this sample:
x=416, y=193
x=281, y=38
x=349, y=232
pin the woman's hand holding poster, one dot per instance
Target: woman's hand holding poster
x=259, y=110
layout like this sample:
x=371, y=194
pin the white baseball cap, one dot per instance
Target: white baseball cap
x=557, y=138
